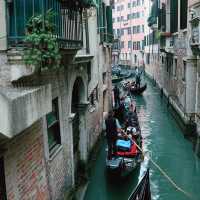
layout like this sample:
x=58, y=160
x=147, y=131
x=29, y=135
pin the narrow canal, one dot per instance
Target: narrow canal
x=166, y=144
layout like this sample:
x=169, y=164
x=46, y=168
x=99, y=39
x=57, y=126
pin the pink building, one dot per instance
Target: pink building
x=128, y=25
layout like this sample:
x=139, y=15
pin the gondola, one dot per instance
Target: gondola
x=142, y=191
x=138, y=91
x=128, y=156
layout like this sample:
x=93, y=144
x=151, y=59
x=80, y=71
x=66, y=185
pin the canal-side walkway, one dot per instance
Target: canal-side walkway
x=165, y=142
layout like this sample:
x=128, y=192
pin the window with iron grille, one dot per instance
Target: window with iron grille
x=183, y=14
x=53, y=126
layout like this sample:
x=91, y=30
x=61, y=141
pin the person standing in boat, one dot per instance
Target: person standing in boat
x=137, y=76
x=112, y=128
x=116, y=96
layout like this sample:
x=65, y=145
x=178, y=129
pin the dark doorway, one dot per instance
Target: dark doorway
x=77, y=96
x=2, y=181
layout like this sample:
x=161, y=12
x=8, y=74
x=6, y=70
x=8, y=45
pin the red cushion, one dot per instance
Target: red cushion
x=133, y=152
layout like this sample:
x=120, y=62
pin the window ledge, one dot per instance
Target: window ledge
x=55, y=151
x=184, y=30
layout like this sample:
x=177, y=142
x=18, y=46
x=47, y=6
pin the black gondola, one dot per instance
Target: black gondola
x=138, y=91
x=142, y=191
x=123, y=162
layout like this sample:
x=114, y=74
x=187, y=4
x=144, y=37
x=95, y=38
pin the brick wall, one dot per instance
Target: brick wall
x=25, y=166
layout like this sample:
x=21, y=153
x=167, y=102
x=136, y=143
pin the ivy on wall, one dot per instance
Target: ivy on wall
x=42, y=50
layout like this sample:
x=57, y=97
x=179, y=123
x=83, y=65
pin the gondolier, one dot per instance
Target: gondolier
x=112, y=127
x=116, y=96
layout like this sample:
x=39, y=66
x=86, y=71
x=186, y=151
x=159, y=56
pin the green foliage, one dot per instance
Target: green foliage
x=42, y=48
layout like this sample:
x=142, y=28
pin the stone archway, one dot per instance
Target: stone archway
x=78, y=108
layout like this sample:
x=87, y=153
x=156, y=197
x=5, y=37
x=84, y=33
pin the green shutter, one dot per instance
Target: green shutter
x=109, y=23
x=153, y=14
x=173, y=16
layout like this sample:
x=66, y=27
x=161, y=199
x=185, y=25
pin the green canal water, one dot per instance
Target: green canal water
x=164, y=141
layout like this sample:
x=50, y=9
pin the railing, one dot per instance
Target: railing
x=69, y=30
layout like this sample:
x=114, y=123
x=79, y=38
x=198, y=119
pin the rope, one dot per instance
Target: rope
x=166, y=175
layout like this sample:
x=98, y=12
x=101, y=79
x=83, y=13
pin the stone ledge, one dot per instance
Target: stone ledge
x=21, y=107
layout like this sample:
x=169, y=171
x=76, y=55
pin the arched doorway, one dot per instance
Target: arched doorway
x=78, y=124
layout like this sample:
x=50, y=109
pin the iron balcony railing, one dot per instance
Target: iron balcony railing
x=68, y=21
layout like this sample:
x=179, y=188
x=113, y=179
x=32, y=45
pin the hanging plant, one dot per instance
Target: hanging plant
x=42, y=50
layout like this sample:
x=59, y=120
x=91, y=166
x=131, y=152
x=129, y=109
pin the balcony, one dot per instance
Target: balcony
x=195, y=35
x=67, y=20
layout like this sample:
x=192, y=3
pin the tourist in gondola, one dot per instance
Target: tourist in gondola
x=112, y=128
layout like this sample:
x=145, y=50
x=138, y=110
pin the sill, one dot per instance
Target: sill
x=55, y=151
x=175, y=34
x=184, y=30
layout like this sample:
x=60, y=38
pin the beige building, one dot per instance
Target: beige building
x=50, y=121
x=174, y=67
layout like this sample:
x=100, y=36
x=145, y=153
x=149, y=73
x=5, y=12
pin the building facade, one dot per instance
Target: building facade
x=128, y=25
x=50, y=120
x=175, y=67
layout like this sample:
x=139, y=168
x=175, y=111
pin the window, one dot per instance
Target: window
x=134, y=29
x=129, y=30
x=129, y=5
x=138, y=2
x=137, y=15
x=143, y=28
x=175, y=67
x=118, y=8
x=122, y=18
x=138, y=45
x=89, y=71
x=118, y=32
x=53, y=126
x=183, y=14
x=142, y=2
x=122, y=7
x=104, y=77
x=122, y=44
x=118, y=19
x=173, y=16
x=128, y=16
x=113, y=20
x=134, y=45
x=184, y=71
x=129, y=44
x=138, y=29
x=122, y=31
x=142, y=15
x=134, y=4
x=143, y=44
